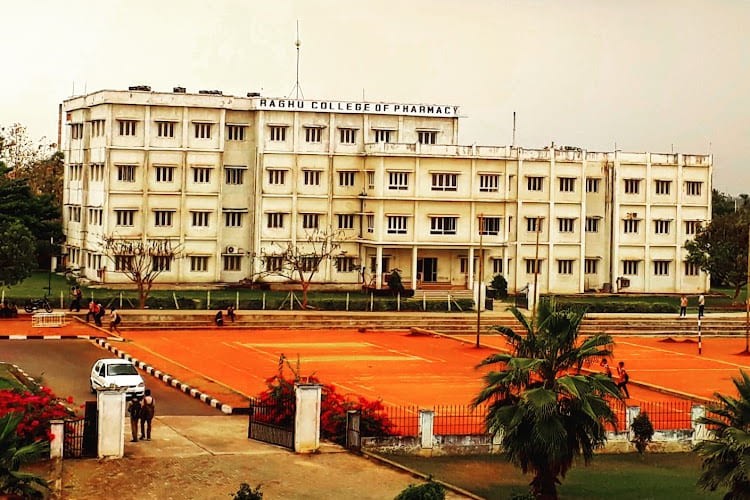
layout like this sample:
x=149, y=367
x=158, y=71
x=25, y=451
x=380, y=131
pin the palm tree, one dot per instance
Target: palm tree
x=545, y=409
x=13, y=454
x=726, y=456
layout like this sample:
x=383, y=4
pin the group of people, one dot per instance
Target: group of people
x=622, y=376
x=141, y=410
x=219, y=316
x=8, y=309
x=97, y=311
x=684, y=305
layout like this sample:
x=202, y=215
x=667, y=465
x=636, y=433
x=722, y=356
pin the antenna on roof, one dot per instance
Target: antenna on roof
x=513, y=141
x=297, y=89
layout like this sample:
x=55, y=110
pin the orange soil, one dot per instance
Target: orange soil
x=22, y=326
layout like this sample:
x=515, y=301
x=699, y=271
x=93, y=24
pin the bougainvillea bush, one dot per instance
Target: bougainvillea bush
x=38, y=408
x=333, y=408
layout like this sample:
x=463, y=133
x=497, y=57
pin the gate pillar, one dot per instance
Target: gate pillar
x=111, y=423
x=307, y=418
x=57, y=428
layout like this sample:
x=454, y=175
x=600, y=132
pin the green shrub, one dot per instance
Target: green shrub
x=526, y=495
x=247, y=493
x=643, y=431
x=426, y=491
x=500, y=285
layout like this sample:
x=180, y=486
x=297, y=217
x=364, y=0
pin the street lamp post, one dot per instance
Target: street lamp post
x=747, y=298
x=49, y=273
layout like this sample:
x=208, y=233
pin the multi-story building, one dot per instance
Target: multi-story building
x=233, y=180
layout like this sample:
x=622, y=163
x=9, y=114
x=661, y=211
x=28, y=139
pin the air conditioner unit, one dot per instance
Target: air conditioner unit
x=632, y=215
x=231, y=249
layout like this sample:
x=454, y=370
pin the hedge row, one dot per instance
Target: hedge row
x=620, y=307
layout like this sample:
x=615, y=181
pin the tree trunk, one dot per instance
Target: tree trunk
x=305, y=286
x=737, y=290
x=142, y=295
x=544, y=486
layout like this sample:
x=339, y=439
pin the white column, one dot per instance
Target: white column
x=57, y=428
x=307, y=418
x=426, y=424
x=110, y=406
x=630, y=413
x=378, y=267
x=470, y=268
x=414, y=254
x=700, y=431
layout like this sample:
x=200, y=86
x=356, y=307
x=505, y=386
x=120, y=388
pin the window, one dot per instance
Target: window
x=95, y=216
x=663, y=187
x=371, y=180
x=632, y=186
x=346, y=178
x=74, y=214
x=370, y=223
x=346, y=264
x=444, y=182
x=96, y=172
x=310, y=221
x=310, y=263
x=533, y=266
x=592, y=185
x=163, y=218
x=126, y=173
x=127, y=127
x=199, y=218
x=311, y=177
x=693, y=188
x=313, y=134
x=631, y=226
x=397, y=224
x=497, y=266
x=201, y=175
x=123, y=262
x=489, y=183
x=630, y=267
x=534, y=224
x=75, y=171
x=233, y=219
x=164, y=174
x=198, y=263
x=443, y=225
x=236, y=132
x=164, y=129
x=398, y=181
x=382, y=135
x=592, y=224
x=489, y=226
x=274, y=263
x=565, y=266
x=565, y=225
x=278, y=133
x=661, y=268
x=590, y=266
x=97, y=128
x=691, y=269
x=534, y=183
x=124, y=217
x=161, y=263
x=76, y=131
x=345, y=221
x=234, y=175
x=661, y=226
x=276, y=177
x=692, y=226
x=202, y=130
x=567, y=184
x=348, y=135
x=427, y=136
x=275, y=220
x=232, y=262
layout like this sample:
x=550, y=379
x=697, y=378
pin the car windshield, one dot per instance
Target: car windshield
x=121, y=370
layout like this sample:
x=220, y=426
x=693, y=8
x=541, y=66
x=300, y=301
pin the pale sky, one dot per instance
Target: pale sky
x=648, y=75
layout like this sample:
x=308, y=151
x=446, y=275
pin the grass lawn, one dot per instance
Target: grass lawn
x=625, y=476
x=8, y=380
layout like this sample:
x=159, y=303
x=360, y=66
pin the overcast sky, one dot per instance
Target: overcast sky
x=648, y=75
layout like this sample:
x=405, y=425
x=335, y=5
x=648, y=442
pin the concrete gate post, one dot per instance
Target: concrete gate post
x=110, y=406
x=480, y=295
x=700, y=431
x=57, y=428
x=630, y=413
x=307, y=418
x=426, y=428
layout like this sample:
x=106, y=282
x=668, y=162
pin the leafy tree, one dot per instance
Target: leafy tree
x=17, y=252
x=721, y=250
x=45, y=176
x=721, y=203
x=247, y=492
x=643, y=431
x=15, y=452
x=547, y=411
x=18, y=151
x=425, y=491
x=727, y=453
x=395, y=284
x=141, y=261
x=500, y=285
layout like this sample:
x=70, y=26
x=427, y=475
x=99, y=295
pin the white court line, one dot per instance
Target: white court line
x=694, y=356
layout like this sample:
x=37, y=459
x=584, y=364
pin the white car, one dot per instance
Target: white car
x=117, y=373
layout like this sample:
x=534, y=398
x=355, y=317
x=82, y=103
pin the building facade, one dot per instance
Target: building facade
x=232, y=181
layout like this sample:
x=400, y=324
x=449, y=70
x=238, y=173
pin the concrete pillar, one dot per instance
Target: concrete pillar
x=700, y=431
x=630, y=413
x=531, y=295
x=426, y=426
x=110, y=406
x=379, y=267
x=307, y=418
x=480, y=294
x=57, y=428
x=414, y=253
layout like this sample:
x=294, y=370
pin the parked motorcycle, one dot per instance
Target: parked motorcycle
x=38, y=305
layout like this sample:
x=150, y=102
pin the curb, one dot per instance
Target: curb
x=49, y=337
x=166, y=378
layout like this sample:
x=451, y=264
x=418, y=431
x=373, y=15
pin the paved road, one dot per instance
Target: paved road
x=64, y=366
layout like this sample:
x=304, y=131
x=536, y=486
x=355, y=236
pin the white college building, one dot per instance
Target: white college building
x=233, y=180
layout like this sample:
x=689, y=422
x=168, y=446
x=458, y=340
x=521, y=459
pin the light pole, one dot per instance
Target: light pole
x=49, y=273
x=747, y=298
x=481, y=276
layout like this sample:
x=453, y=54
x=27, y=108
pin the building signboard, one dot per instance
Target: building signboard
x=382, y=108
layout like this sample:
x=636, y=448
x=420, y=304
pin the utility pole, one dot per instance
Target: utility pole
x=747, y=298
x=481, y=276
x=536, y=269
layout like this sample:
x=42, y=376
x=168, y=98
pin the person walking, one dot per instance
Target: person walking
x=230, y=313
x=683, y=306
x=701, y=305
x=100, y=311
x=75, y=303
x=134, y=410
x=148, y=408
x=115, y=321
x=606, y=368
x=93, y=310
x=622, y=379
